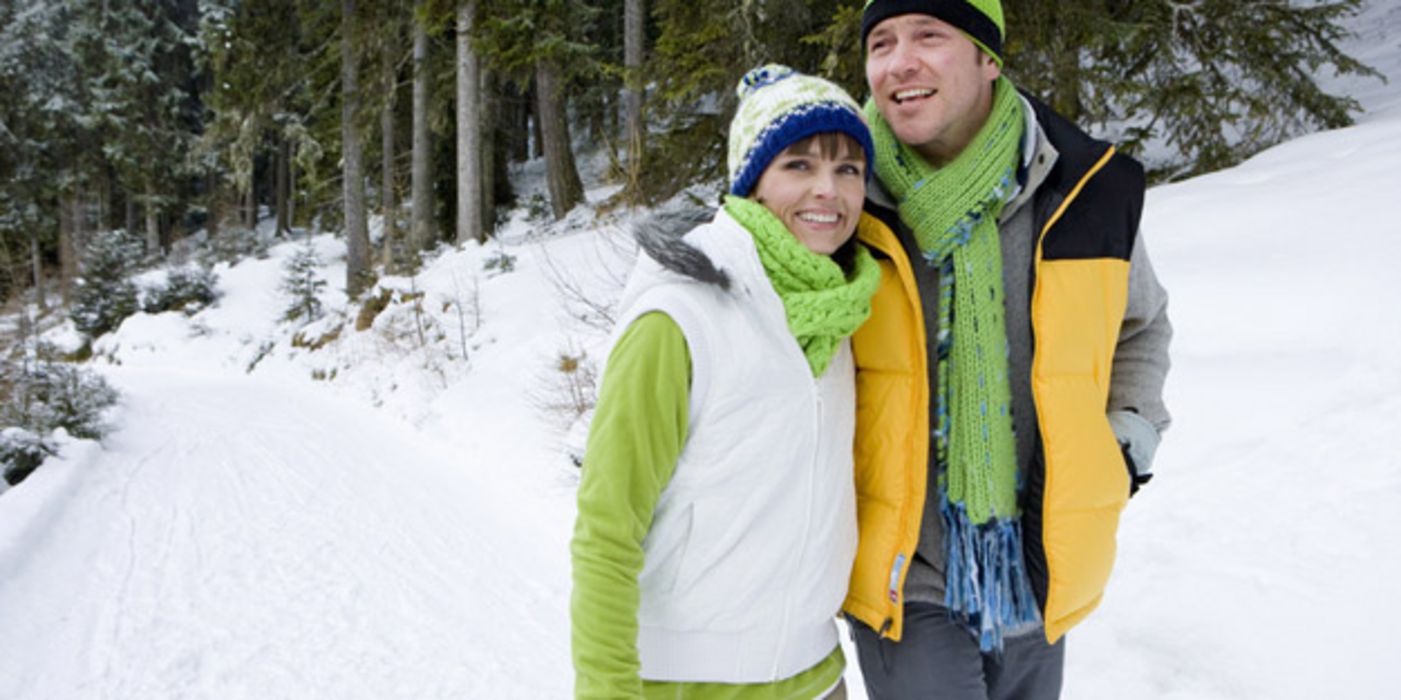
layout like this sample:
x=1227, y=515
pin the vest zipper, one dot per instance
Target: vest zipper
x=813, y=466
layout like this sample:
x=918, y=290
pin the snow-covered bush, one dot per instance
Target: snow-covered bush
x=233, y=244
x=537, y=208
x=302, y=280
x=105, y=295
x=42, y=398
x=569, y=389
x=51, y=395
x=186, y=288
x=499, y=262
x=21, y=452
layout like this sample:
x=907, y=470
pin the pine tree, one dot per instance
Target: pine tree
x=44, y=126
x=302, y=282
x=420, y=173
x=703, y=47
x=469, y=131
x=389, y=25
x=634, y=51
x=357, y=237
x=1212, y=80
x=105, y=295
x=143, y=105
x=273, y=69
x=545, y=42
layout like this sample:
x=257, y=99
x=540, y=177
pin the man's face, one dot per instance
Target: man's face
x=932, y=84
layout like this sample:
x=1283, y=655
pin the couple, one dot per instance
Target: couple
x=949, y=309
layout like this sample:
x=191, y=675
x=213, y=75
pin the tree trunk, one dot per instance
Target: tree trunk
x=250, y=198
x=11, y=284
x=560, y=172
x=249, y=202
x=67, y=253
x=291, y=191
x=153, y=225
x=104, y=202
x=422, y=184
x=214, y=205
x=469, y=131
x=536, y=141
x=357, y=237
x=284, y=157
x=130, y=210
x=487, y=161
x=518, y=125
x=38, y=264
x=393, y=247
x=634, y=14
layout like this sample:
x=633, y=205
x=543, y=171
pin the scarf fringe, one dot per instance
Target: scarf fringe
x=986, y=585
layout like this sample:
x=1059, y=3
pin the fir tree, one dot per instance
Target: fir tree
x=1208, y=82
x=301, y=280
x=1213, y=80
x=545, y=44
x=703, y=47
x=105, y=295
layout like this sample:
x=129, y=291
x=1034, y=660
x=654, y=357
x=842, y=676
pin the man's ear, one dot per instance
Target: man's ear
x=991, y=71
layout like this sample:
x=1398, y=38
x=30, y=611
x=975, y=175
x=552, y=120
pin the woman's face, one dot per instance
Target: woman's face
x=816, y=187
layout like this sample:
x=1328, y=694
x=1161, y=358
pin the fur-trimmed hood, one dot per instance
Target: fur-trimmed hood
x=662, y=237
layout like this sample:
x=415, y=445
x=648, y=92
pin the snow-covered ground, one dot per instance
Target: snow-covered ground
x=387, y=516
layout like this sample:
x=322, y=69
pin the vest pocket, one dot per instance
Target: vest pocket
x=666, y=555
x=727, y=570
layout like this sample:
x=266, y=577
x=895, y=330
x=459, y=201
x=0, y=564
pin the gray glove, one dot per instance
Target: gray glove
x=1139, y=440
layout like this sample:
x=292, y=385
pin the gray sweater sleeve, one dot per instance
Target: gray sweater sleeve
x=1141, y=362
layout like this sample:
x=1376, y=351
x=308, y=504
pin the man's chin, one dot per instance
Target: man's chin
x=910, y=134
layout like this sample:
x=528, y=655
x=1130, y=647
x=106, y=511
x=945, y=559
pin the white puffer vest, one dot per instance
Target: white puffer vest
x=752, y=541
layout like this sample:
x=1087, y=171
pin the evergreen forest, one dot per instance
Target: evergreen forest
x=164, y=119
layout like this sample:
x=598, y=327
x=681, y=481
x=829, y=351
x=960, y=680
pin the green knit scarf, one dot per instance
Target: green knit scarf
x=823, y=304
x=953, y=212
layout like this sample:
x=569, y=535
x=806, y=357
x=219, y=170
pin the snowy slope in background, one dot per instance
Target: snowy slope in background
x=1259, y=563
x=400, y=529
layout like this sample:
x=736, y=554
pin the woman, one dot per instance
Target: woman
x=717, y=523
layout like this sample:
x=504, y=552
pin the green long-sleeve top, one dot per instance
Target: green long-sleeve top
x=639, y=428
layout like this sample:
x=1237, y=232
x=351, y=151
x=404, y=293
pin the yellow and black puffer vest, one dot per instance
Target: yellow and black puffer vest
x=1086, y=216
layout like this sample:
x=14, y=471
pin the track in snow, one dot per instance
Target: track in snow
x=238, y=540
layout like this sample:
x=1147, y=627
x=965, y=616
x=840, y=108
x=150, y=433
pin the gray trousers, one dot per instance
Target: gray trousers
x=937, y=659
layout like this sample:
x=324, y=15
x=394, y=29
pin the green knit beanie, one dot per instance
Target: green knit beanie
x=979, y=20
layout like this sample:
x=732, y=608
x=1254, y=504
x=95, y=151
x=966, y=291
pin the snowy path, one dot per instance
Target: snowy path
x=239, y=540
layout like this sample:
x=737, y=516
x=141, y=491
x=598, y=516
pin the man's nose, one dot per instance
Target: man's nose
x=902, y=59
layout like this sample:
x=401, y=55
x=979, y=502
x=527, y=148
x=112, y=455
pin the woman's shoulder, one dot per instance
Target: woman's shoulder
x=695, y=243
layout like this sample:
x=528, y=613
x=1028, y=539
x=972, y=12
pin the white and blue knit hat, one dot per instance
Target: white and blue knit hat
x=779, y=107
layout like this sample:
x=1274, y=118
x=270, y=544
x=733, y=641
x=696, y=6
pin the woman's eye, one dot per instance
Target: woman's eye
x=796, y=164
x=849, y=169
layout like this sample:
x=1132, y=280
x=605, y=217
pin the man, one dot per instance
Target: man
x=1010, y=376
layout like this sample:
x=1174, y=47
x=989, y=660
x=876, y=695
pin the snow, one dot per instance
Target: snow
x=244, y=539
x=388, y=516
